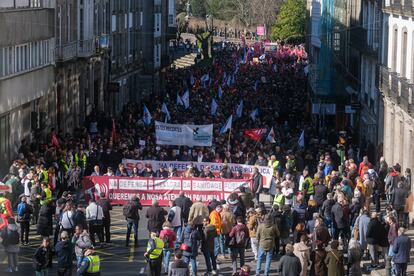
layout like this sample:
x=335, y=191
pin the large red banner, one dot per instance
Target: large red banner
x=120, y=189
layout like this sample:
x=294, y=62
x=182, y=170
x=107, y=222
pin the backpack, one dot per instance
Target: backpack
x=171, y=215
x=12, y=237
x=129, y=211
x=21, y=209
x=240, y=237
x=166, y=240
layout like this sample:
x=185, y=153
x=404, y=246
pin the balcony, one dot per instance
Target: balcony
x=86, y=48
x=398, y=89
x=66, y=51
x=401, y=7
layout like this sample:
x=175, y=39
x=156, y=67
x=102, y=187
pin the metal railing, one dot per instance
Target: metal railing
x=86, y=48
x=66, y=51
x=397, y=88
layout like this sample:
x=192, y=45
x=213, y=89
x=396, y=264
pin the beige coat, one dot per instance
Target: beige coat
x=227, y=222
x=301, y=251
x=198, y=212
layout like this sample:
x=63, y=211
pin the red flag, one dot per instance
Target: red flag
x=113, y=131
x=255, y=133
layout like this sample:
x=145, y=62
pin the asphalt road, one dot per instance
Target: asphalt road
x=116, y=258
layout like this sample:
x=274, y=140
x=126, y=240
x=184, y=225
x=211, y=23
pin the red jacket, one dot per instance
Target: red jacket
x=363, y=168
x=171, y=236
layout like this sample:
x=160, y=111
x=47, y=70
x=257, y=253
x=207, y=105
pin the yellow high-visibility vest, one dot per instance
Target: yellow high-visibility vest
x=156, y=253
x=94, y=264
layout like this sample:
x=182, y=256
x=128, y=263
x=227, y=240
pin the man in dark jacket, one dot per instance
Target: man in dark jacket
x=340, y=222
x=178, y=267
x=185, y=204
x=64, y=250
x=399, y=196
x=106, y=221
x=207, y=245
x=326, y=212
x=376, y=236
x=156, y=217
x=289, y=264
x=320, y=193
x=401, y=248
x=257, y=183
x=131, y=213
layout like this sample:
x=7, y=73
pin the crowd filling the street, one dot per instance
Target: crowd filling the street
x=328, y=205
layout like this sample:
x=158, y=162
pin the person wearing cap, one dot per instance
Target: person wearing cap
x=90, y=265
x=334, y=260
x=42, y=258
x=154, y=254
x=64, y=250
x=289, y=264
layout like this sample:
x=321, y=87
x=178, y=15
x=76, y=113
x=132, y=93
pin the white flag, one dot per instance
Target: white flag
x=254, y=114
x=164, y=110
x=186, y=99
x=301, y=141
x=271, y=136
x=239, y=110
x=213, y=107
x=227, y=125
x=179, y=100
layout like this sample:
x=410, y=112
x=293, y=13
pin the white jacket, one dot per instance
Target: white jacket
x=94, y=212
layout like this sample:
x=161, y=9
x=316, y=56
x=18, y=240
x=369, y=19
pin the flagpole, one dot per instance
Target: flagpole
x=228, y=145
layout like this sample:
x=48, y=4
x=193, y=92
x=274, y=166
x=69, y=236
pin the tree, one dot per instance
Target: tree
x=265, y=12
x=291, y=20
x=198, y=8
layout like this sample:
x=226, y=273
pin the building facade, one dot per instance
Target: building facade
x=396, y=82
x=371, y=112
x=81, y=62
x=27, y=94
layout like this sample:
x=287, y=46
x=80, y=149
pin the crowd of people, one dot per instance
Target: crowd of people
x=323, y=217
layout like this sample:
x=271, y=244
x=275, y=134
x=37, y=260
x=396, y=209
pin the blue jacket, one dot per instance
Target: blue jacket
x=401, y=248
x=192, y=238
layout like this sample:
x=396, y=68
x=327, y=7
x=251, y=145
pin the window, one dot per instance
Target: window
x=403, y=69
x=412, y=58
x=141, y=19
x=5, y=138
x=1, y=63
x=394, y=49
x=113, y=23
x=130, y=20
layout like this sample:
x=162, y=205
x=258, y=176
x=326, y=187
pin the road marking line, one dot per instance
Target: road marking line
x=131, y=254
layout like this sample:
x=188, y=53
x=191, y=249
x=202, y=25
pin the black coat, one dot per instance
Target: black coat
x=376, y=233
x=399, y=198
x=338, y=216
x=45, y=221
x=320, y=193
x=64, y=252
x=156, y=217
x=185, y=204
x=257, y=183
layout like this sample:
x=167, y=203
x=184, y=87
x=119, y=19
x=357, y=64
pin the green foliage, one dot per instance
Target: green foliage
x=198, y=8
x=291, y=21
